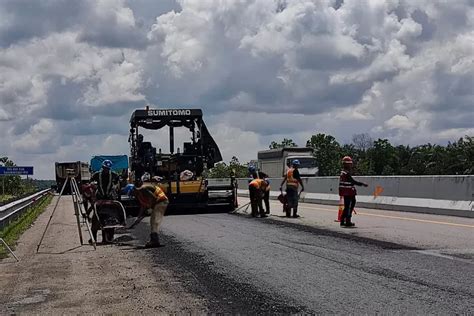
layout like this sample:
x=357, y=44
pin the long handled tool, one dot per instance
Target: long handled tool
x=8, y=248
x=241, y=207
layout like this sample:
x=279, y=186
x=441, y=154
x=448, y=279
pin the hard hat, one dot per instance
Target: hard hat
x=128, y=189
x=157, y=178
x=252, y=169
x=347, y=160
x=145, y=177
x=295, y=162
x=107, y=164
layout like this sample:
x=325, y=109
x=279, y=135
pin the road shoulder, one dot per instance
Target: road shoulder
x=65, y=277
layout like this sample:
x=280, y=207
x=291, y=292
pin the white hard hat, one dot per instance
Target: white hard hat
x=145, y=177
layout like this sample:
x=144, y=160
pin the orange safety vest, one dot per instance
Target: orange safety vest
x=267, y=183
x=346, y=188
x=290, y=181
x=258, y=183
x=148, y=195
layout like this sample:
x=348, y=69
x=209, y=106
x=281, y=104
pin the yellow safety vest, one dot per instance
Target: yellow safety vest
x=148, y=195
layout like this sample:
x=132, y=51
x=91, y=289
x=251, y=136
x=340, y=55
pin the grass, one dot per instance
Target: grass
x=5, y=197
x=13, y=231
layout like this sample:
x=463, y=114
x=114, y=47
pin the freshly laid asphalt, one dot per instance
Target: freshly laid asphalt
x=391, y=263
x=252, y=265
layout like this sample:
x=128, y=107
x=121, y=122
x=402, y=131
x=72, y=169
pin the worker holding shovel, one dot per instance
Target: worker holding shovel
x=151, y=197
x=293, y=181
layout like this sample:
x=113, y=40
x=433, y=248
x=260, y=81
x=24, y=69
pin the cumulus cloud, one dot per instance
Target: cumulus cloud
x=399, y=122
x=71, y=73
x=41, y=138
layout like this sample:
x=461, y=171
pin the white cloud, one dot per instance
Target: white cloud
x=41, y=138
x=229, y=138
x=262, y=70
x=399, y=122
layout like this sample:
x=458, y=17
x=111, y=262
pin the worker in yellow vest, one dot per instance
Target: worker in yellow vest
x=151, y=197
x=293, y=181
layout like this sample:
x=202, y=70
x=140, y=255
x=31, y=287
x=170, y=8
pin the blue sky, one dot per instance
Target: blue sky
x=72, y=72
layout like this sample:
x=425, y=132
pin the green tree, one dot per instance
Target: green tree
x=381, y=155
x=12, y=184
x=240, y=171
x=327, y=152
x=403, y=154
x=460, y=156
x=284, y=143
x=223, y=170
x=220, y=170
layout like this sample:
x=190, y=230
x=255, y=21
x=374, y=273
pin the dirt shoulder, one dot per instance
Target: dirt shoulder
x=65, y=277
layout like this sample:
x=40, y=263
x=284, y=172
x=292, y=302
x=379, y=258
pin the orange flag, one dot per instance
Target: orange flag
x=378, y=190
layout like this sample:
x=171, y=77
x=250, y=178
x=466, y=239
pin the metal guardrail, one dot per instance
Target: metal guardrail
x=14, y=198
x=14, y=210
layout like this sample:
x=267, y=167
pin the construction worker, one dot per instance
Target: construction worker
x=107, y=184
x=150, y=196
x=257, y=189
x=348, y=191
x=293, y=181
x=266, y=195
x=88, y=197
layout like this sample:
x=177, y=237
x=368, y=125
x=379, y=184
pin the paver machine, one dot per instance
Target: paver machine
x=181, y=174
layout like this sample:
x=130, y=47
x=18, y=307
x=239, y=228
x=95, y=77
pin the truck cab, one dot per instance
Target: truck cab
x=308, y=165
x=275, y=162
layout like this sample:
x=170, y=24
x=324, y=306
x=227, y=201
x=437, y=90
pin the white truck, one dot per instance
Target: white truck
x=275, y=162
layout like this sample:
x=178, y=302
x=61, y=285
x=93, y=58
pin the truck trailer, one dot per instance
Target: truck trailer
x=275, y=162
x=78, y=169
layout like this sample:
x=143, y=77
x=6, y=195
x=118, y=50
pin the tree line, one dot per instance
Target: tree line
x=380, y=157
x=374, y=157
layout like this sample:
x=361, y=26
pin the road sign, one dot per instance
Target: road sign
x=9, y=171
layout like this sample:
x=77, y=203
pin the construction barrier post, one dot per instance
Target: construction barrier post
x=341, y=209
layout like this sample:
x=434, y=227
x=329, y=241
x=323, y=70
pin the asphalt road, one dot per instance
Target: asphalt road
x=251, y=265
x=392, y=263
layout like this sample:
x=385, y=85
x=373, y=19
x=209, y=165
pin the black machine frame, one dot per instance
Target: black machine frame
x=197, y=156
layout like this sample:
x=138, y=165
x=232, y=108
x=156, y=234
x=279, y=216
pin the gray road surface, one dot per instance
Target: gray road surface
x=392, y=263
x=321, y=269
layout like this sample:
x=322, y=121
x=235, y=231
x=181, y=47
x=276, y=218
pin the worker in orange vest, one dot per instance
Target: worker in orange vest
x=293, y=181
x=348, y=191
x=257, y=189
x=257, y=174
x=150, y=196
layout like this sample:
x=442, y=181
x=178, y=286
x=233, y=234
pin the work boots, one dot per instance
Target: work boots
x=154, y=241
x=295, y=213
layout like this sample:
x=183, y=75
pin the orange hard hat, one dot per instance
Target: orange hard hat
x=347, y=159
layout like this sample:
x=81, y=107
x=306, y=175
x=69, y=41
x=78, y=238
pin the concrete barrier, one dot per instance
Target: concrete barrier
x=446, y=195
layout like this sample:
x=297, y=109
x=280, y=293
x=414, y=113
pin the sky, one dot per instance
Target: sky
x=72, y=72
